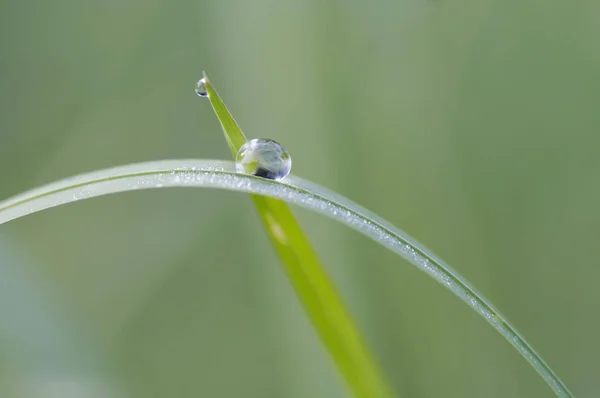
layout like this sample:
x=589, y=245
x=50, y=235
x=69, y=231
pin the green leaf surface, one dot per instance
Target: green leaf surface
x=219, y=174
x=312, y=284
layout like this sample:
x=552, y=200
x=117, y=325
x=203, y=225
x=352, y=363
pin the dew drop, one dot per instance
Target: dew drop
x=263, y=158
x=201, y=88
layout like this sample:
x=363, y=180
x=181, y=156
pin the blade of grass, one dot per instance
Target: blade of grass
x=219, y=174
x=312, y=284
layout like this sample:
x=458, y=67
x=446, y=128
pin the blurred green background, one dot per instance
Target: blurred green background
x=471, y=125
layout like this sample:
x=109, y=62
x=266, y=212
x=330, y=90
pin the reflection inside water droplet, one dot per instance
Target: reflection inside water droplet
x=201, y=88
x=263, y=158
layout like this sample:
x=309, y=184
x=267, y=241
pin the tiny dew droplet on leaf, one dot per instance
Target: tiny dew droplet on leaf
x=201, y=88
x=263, y=158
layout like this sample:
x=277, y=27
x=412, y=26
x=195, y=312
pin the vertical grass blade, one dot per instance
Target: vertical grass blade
x=313, y=286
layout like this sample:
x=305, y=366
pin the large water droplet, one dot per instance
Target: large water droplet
x=201, y=88
x=263, y=158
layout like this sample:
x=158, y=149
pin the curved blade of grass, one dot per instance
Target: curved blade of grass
x=219, y=174
x=312, y=284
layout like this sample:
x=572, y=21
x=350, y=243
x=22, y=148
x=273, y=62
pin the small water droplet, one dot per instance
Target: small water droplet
x=263, y=158
x=201, y=88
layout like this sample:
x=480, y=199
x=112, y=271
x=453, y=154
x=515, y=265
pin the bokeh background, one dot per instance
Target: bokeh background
x=472, y=125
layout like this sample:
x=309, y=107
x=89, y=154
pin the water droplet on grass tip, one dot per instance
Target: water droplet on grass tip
x=201, y=88
x=263, y=158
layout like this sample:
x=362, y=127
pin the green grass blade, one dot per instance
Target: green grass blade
x=312, y=284
x=233, y=133
x=219, y=174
